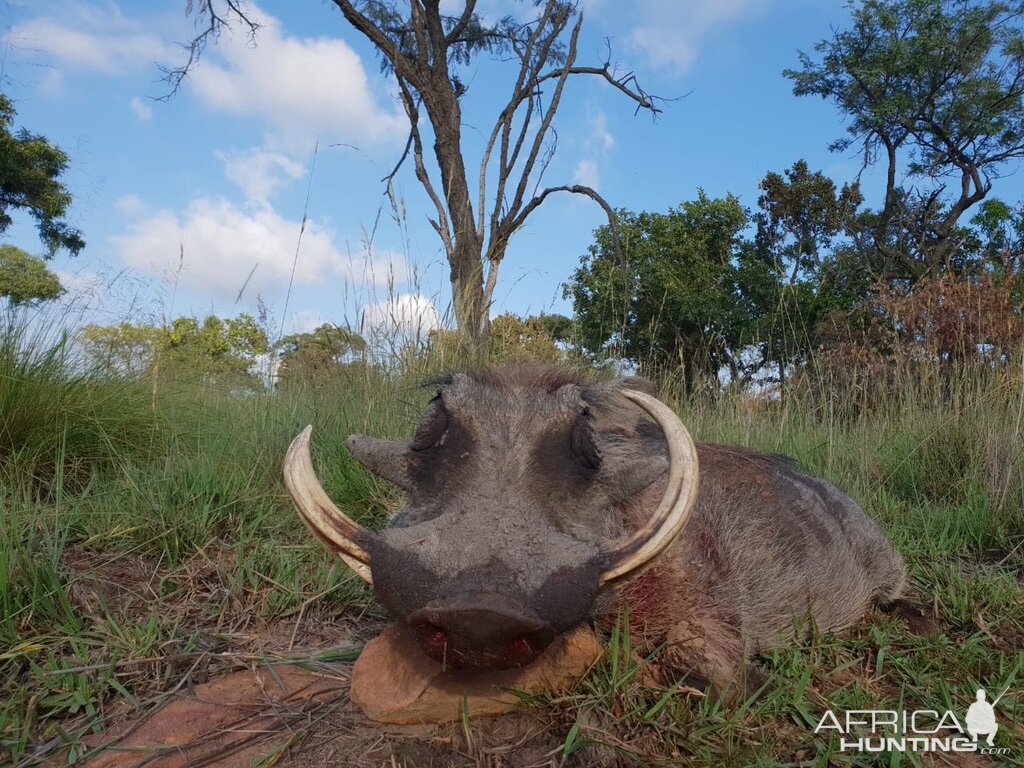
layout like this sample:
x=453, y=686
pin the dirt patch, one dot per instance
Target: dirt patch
x=288, y=715
x=232, y=721
x=99, y=583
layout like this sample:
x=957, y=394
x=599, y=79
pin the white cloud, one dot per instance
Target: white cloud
x=306, y=320
x=600, y=137
x=258, y=172
x=670, y=32
x=141, y=109
x=407, y=316
x=597, y=143
x=302, y=86
x=226, y=248
x=130, y=206
x=91, y=39
x=586, y=173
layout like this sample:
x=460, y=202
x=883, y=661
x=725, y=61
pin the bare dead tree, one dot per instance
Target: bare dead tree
x=424, y=49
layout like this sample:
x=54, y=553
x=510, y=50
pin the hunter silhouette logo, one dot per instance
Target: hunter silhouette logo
x=920, y=730
x=981, y=717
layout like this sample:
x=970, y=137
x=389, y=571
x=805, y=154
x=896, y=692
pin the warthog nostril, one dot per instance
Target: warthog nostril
x=436, y=635
x=480, y=630
x=521, y=647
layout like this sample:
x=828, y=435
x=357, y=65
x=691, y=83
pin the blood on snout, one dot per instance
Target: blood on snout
x=519, y=652
x=433, y=640
x=480, y=630
x=435, y=635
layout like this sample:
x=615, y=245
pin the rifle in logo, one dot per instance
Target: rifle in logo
x=981, y=717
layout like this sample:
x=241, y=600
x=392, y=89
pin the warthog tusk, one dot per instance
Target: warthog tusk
x=328, y=523
x=634, y=554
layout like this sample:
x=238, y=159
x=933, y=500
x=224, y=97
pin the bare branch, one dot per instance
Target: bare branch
x=462, y=23
x=524, y=177
x=626, y=83
x=405, y=153
x=504, y=122
x=576, y=189
x=216, y=22
x=412, y=112
x=403, y=67
x=492, y=282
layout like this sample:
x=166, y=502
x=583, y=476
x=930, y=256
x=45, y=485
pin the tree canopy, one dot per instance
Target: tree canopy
x=24, y=278
x=701, y=298
x=30, y=180
x=213, y=350
x=933, y=89
x=315, y=356
x=675, y=301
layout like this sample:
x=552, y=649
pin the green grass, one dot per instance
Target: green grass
x=144, y=530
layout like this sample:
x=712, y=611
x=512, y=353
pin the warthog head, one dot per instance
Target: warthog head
x=515, y=480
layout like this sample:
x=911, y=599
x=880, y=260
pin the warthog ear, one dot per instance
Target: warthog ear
x=388, y=459
x=620, y=426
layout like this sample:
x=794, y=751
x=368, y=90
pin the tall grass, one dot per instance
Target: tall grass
x=58, y=419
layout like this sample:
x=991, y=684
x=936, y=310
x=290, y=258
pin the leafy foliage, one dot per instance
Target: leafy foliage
x=30, y=171
x=314, y=357
x=678, y=298
x=214, y=350
x=513, y=339
x=935, y=87
x=24, y=278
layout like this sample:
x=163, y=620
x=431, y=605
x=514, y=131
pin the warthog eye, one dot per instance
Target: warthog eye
x=433, y=426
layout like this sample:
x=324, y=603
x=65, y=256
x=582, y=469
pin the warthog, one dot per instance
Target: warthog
x=533, y=507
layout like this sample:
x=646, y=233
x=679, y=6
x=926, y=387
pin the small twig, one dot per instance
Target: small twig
x=302, y=612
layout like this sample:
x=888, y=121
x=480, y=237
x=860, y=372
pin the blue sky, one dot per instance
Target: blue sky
x=194, y=204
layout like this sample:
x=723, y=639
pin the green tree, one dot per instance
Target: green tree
x=215, y=351
x=801, y=215
x=518, y=339
x=30, y=171
x=559, y=327
x=24, y=278
x=999, y=244
x=676, y=302
x=125, y=349
x=479, y=201
x=512, y=339
x=933, y=89
x=313, y=358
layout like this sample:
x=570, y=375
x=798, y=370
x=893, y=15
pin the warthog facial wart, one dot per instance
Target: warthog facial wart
x=538, y=501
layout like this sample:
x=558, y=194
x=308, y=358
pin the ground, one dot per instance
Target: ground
x=262, y=693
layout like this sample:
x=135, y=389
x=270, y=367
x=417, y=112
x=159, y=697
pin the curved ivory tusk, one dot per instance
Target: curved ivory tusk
x=643, y=546
x=328, y=523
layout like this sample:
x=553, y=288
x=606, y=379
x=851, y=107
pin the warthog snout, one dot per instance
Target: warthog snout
x=484, y=629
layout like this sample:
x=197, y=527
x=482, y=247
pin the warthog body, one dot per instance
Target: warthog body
x=522, y=483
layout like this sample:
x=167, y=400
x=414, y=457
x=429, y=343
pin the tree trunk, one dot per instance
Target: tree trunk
x=467, y=274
